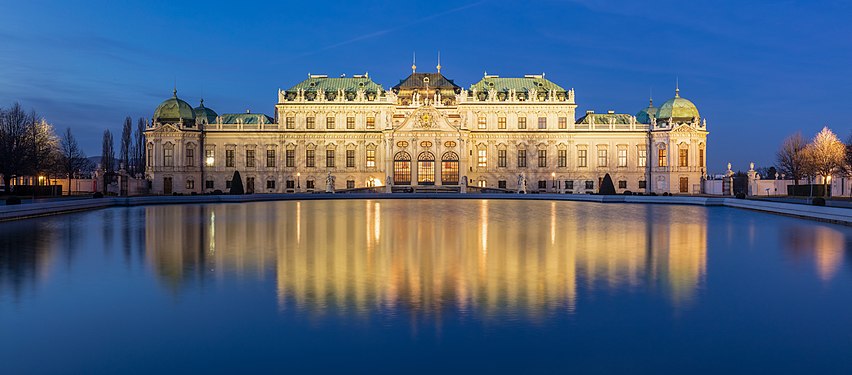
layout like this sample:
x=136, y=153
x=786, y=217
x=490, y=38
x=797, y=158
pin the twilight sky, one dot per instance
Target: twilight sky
x=757, y=70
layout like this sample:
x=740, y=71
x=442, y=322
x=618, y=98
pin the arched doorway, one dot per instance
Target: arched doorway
x=402, y=168
x=426, y=168
x=450, y=168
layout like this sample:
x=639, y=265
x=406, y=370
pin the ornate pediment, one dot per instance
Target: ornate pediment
x=166, y=128
x=427, y=118
x=683, y=128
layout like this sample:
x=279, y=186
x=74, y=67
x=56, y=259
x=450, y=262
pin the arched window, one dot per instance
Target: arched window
x=402, y=168
x=450, y=168
x=426, y=168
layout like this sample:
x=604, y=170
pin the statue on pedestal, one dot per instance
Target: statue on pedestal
x=329, y=183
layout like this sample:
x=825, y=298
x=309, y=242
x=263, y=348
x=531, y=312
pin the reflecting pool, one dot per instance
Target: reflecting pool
x=424, y=286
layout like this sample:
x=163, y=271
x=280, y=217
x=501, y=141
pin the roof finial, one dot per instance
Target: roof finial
x=677, y=87
x=174, y=92
x=439, y=62
x=202, y=102
x=651, y=96
x=413, y=62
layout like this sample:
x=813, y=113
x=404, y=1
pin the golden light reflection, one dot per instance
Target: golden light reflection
x=825, y=245
x=492, y=257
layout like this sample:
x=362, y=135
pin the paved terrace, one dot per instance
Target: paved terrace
x=826, y=214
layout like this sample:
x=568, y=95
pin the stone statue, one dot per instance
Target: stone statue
x=751, y=166
x=329, y=183
x=522, y=184
x=388, y=181
x=463, y=186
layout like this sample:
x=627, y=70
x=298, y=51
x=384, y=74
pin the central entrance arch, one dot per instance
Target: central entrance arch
x=450, y=168
x=426, y=168
x=402, y=168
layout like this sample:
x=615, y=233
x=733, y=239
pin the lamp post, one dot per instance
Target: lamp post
x=298, y=182
x=553, y=180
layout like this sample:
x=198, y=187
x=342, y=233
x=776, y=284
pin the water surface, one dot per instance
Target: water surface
x=424, y=286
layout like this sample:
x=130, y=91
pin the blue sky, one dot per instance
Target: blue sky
x=758, y=70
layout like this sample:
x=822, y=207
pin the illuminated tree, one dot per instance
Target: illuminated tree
x=825, y=155
x=28, y=145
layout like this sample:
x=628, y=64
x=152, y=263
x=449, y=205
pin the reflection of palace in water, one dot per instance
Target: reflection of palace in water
x=429, y=255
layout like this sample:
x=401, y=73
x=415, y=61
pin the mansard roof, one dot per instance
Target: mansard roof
x=418, y=81
x=246, y=118
x=323, y=83
x=525, y=84
x=606, y=118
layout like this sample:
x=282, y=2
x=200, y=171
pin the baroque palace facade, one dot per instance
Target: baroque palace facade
x=426, y=133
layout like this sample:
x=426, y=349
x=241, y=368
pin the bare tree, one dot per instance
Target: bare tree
x=73, y=160
x=108, y=153
x=139, y=147
x=825, y=154
x=790, y=157
x=848, y=157
x=124, y=153
x=28, y=145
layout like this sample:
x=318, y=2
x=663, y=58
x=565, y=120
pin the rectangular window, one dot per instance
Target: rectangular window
x=590, y=184
x=228, y=184
x=209, y=159
x=522, y=122
x=662, y=158
x=190, y=184
x=310, y=122
x=168, y=156
x=481, y=122
x=622, y=157
x=683, y=157
x=290, y=158
x=569, y=184
x=482, y=158
x=501, y=184
x=309, y=184
x=562, y=158
x=270, y=158
x=542, y=158
x=701, y=157
x=290, y=184
x=190, y=157
x=602, y=157
x=350, y=184
x=329, y=158
x=542, y=184
x=622, y=184
x=329, y=122
x=522, y=158
x=582, y=160
x=350, y=158
x=371, y=158
x=371, y=122
x=310, y=158
x=501, y=123
x=501, y=158
x=229, y=158
x=150, y=155
x=350, y=123
x=643, y=157
x=250, y=158
x=542, y=122
x=642, y=184
x=290, y=122
x=270, y=184
x=208, y=184
x=563, y=123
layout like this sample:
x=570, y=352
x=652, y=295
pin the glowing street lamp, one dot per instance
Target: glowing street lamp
x=298, y=182
x=553, y=179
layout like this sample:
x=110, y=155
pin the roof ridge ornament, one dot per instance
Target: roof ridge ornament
x=439, y=61
x=677, y=87
x=413, y=62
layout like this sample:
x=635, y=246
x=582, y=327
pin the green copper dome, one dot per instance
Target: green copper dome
x=645, y=115
x=202, y=112
x=678, y=109
x=174, y=110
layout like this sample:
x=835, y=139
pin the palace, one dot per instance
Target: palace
x=426, y=133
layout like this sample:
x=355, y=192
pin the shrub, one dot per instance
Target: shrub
x=607, y=187
x=740, y=195
x=653, y=194
x=217, y=192
x=98, y=195
x=666, y=194
x=815, y=202
x=237, y=184
x=15, y=200
x=627, y=192
x=193, y=193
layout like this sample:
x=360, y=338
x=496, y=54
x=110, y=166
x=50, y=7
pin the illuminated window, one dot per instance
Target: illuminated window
x=582, y=160
x=190, y=157
x=426, y=168
x=450, y=168
x=402, y=168
x=310, y=122
x=290, y=122
x=210, y=160
x=563, y=123
x=371, y=158
x=371, y=122
x=350, y=158
x=501, y=123
x=683, y=157
x=290, y=158
x=329, y=122
x=482, y=158
x=350, y=123
x=562, y=158
x=522, y=158
x=602, y=157
x=229, y=158
x=310, y=158
x=329, y=158
x=542, y=158
x=542, y=122
x=270, y=158
x=250, y=158
x=481, y=122
x=662, y=158
x=622, y=157
x=501, y=158
x=643, y=157
x=701, y=156
x=522, y=122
